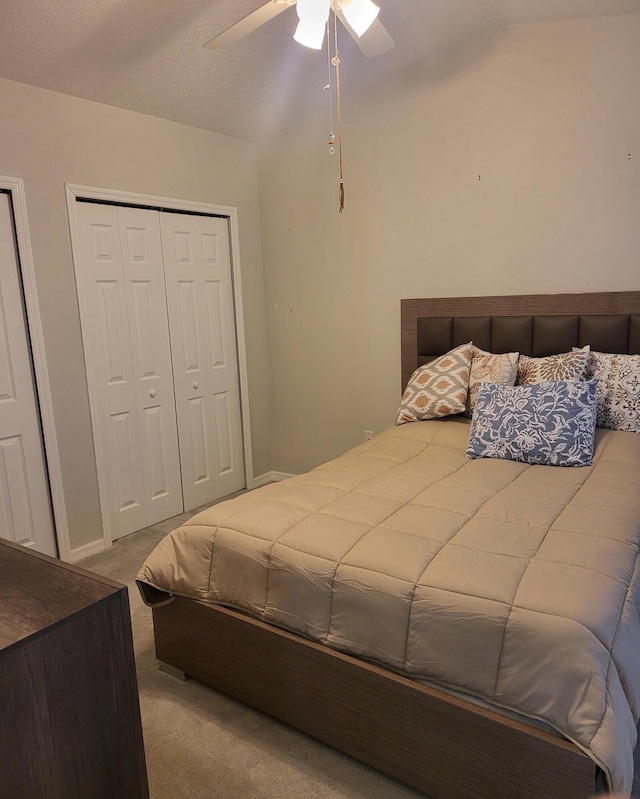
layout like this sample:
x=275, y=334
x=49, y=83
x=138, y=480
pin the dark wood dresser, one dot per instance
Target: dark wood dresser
x=69, y=712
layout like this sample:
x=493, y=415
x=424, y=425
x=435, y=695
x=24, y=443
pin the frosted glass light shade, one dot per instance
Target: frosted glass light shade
x=360, y=14
x=313, y=16
x=310, y=34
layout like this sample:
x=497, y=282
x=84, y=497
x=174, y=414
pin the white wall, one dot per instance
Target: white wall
x=546, y=115
x=500, y=168
x=49, y=139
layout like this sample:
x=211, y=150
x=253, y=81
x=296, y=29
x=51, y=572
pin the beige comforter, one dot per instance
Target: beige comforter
x=515, y=583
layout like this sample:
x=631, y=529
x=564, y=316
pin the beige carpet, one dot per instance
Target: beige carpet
x=202, y=745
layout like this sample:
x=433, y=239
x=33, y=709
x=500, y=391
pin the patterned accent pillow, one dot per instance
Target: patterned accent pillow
x=489, y=368
x=566, y=366
x=618, y=390
x=551, y=423
x=438, y=388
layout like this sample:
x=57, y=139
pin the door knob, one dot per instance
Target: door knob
x=196, y=385
x=152, y=393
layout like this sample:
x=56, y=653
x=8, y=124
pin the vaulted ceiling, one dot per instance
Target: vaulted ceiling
x=147, y=55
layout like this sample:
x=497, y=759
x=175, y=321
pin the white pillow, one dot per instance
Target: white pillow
x=618, y=390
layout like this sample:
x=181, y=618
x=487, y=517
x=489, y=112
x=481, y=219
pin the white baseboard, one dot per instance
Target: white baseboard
x=270, y=477
x=92, y=548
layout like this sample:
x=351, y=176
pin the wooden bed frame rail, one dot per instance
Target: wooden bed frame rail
x=437, y=743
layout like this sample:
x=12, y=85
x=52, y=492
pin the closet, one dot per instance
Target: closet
x=157, y=312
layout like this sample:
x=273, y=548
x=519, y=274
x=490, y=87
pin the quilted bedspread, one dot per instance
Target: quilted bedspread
x=518, y=584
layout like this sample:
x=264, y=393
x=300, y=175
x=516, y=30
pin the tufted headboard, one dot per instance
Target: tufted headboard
x=533, y=324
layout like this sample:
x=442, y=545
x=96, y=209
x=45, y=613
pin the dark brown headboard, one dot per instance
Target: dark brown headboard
x=533, y=324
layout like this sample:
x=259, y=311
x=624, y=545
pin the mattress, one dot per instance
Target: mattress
x=513, y=583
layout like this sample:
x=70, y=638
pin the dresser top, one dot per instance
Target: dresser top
x=37, y=591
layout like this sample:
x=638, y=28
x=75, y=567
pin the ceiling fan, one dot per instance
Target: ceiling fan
x=358, y=16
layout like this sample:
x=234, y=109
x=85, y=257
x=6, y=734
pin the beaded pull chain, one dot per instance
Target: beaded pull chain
x=335, y=61
x=329, y=86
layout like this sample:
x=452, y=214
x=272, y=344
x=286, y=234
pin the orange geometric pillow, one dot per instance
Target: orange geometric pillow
x=438, y=388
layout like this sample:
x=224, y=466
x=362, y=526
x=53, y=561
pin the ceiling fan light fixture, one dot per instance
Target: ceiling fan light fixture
x=313, y=16
x=360, y=14
x=310, y=35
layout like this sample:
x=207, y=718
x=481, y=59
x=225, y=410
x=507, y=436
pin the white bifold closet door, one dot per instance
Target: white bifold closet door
x=197, y=265
x=25, y=509
x=128, y=359
x=160, y=447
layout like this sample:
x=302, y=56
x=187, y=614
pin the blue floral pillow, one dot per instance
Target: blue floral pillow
x=551, y=423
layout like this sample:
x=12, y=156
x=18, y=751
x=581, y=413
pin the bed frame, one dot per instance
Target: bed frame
x=445, y=746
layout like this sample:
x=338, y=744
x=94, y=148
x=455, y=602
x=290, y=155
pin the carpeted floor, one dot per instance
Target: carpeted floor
x=202, y=745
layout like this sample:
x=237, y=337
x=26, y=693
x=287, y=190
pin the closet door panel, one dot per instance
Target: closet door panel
x=223, y=405
x=151, y=352
x=202, y=327
x=128, y=359
x=25, y=510
x=16, y=518
x=123, y=439
x=198, y=437
x=185, y=307
x=222, y=354
x=215, y=315
x=110, y=370
x=190, y=332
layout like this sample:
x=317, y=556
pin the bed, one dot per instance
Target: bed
x=266, y=597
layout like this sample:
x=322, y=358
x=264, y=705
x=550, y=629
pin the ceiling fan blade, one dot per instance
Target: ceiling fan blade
x=248, y=24
x=375, y=41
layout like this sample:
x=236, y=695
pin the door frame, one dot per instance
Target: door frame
x=44, y=402
x=75, y=192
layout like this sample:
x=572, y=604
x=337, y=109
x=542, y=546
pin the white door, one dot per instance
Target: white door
x=205, y=361
x=25, y=506
x=128, y=358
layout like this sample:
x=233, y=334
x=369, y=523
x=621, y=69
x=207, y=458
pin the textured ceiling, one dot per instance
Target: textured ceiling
x=147, y=56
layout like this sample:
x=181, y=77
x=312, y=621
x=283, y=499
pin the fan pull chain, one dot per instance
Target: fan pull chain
x=329, y=86
x=336, y=63
x=339, y=117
